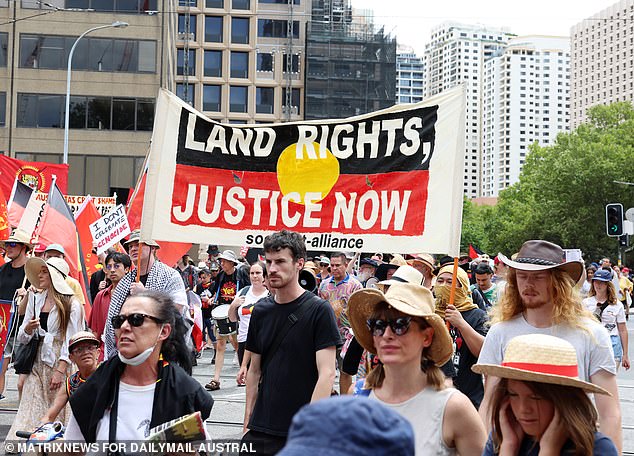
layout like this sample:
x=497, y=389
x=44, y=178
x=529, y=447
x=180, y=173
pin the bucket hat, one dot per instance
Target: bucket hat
x=539, y=358
x=410, y=299
x=135, y=236
x=20, y=236
x=348, y=425
x=538, y=255
x=57, y=268
x=82, y=336
x=369, y=262
x=229, y=255
x=55, y=248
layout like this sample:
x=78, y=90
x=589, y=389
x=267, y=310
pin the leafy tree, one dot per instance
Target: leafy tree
x=563, y=189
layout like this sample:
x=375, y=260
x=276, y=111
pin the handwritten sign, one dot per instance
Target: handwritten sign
x=110, y=229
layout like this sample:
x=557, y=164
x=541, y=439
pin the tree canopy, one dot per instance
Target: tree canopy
x=563, y=189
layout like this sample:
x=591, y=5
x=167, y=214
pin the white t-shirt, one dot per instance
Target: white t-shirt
x=593, y=347
x=245, y=310
x=612, y=314
x=133, y=417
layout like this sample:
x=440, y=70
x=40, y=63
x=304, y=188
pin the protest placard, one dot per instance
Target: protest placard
x=110, y=229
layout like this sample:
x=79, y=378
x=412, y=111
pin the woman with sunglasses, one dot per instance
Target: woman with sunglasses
x=53, y=315
x=401, y=327
x=144, y=385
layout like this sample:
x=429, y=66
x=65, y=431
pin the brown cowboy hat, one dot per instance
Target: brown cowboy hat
x=538, y=255
x=408, y=298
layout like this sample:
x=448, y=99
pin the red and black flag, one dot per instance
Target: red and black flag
x=19, y=199
x=474, y=252
x=58, y=227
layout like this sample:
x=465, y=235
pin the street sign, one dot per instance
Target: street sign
x=614, y=219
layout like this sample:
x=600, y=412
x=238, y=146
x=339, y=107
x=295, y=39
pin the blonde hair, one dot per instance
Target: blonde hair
x=434, y=376
x=63, y=305
x=567, y=309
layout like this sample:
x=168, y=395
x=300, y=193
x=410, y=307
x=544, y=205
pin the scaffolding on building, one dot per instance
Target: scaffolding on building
x=350, y=67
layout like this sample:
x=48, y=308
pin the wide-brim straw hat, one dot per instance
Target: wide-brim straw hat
x=410, y=299
x=539, y=358
x=538, y=255
x=424, y=258
x=57, y=268
x=229, y=255
x=135, y=236
x=20, y=236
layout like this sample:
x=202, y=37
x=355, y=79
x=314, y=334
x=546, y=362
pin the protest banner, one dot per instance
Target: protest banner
x=385, y=181
x=110, y=229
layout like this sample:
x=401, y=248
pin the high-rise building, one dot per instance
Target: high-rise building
x=602, y=66
x=410, y=76
x=242, y=61
x=455, y=55
x=350, y=65
x=116, y=74
x=526, y=91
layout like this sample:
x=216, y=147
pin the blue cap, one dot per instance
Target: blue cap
x=348, y=425
x=602, y=275
x=369, y=262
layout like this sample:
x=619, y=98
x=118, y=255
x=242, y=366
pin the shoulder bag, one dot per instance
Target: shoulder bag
x=25, y=354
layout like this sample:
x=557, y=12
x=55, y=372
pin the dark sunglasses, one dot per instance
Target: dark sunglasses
x=399, y=326
x=135, y=319
x=13, y=244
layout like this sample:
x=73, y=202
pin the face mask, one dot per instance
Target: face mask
x=442, y=293
x=141, y=357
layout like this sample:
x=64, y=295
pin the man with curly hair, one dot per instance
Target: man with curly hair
x=540, y=297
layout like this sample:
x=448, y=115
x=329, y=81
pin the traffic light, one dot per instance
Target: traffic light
x=614, y=219
x=624, y=240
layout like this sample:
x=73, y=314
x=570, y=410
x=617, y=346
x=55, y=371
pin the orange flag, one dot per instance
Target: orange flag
x=87, y=214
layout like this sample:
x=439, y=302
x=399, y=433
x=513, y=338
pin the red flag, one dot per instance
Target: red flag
x=170, y=252
x=5, y=229
x=37, y=175
x=87, y=214
x=6, y=319
x=19, y=199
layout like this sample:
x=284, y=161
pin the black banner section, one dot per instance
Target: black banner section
x=389, y=142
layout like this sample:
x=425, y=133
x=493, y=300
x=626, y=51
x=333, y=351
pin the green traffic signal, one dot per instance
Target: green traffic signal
x=614, y=219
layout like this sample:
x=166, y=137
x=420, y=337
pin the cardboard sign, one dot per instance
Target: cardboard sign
x=110, y=229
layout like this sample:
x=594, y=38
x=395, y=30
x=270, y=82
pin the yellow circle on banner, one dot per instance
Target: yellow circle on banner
x=308, y=171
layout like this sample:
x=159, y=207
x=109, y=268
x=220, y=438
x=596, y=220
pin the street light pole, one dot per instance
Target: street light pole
x=116, y=24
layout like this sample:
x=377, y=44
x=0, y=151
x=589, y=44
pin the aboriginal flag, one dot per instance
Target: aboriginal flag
x=20, y=196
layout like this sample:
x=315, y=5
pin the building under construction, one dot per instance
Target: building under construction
x=350, y=65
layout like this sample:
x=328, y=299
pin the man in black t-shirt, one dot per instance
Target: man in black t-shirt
x=291, y=364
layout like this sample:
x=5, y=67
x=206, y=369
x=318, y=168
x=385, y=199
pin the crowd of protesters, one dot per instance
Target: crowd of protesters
x=487, y=356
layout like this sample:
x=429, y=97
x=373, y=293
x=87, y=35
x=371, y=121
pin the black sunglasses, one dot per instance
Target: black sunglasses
x=12, y=244
x=135, y=319
x=399, y=326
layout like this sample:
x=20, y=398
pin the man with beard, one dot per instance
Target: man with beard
x=292, y=340
x=540, y=297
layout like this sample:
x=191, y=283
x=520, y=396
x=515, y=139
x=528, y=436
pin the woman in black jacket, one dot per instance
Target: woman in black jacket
x=144, y=386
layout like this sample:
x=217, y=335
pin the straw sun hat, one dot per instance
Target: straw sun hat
x=539, y=358
x=410, y=299
x=57, y=268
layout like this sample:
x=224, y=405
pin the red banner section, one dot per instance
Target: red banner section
x=37, y=175
x=388, y=203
